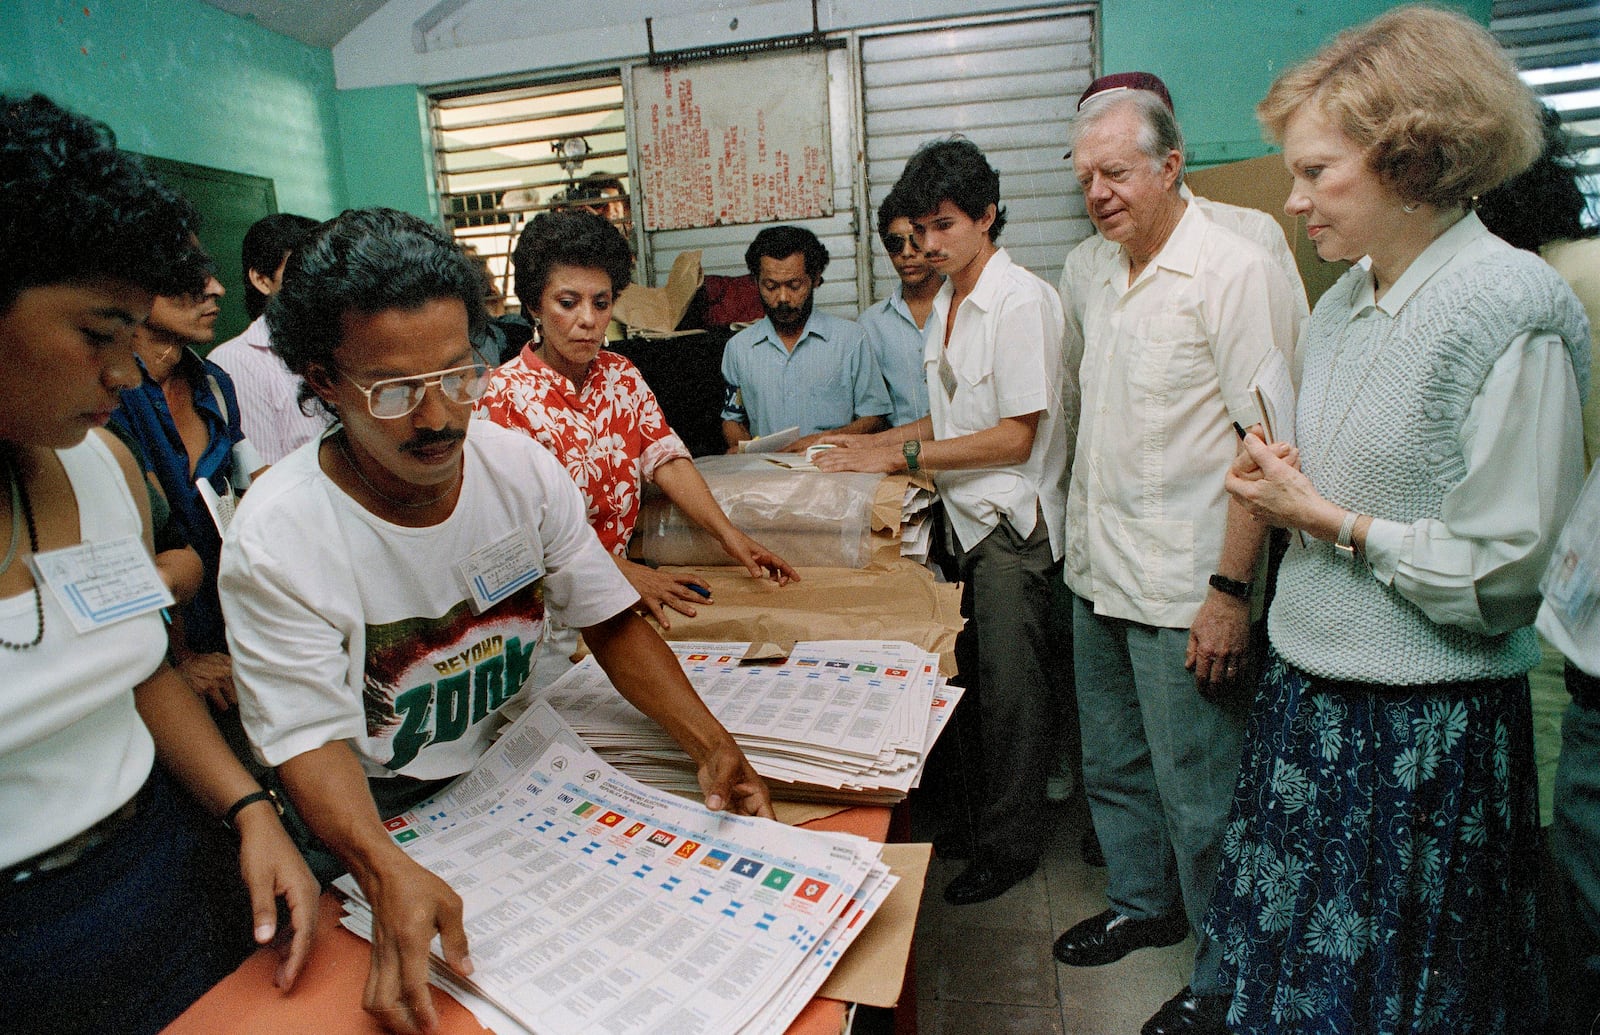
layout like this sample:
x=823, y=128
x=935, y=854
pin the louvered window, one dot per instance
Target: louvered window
x=504, y=155
x=1556, y=44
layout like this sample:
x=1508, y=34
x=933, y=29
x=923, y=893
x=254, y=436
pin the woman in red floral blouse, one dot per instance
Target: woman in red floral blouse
x=592, y=409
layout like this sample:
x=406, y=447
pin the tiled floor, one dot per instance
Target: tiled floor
x=986, y=969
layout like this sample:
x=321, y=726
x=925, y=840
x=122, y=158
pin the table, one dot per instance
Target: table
x=327, y=997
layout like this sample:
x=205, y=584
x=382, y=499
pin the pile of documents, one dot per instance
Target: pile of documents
x=594, y=904
x=849, y=721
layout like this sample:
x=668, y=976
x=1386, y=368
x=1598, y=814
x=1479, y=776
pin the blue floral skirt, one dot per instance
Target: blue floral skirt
x=1378, y=864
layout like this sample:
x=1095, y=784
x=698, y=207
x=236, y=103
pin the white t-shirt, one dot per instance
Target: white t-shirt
x=72, y=748
x=344, y=626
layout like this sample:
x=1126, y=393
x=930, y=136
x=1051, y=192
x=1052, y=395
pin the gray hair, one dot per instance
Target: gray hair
x=1159, y=133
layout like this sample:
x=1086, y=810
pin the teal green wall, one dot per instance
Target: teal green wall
x=383, y=137
x=182, y=80
x=1218, y=57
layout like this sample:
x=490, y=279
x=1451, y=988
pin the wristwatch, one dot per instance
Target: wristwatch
x=1232, y=587
x=912, y=448
x=250, y=799
x=1344, y=542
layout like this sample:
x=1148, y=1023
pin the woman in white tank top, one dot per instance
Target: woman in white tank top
x=104, y=918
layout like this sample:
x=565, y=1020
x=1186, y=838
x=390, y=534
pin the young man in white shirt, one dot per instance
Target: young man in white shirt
x=386, y=589
x=995, y=440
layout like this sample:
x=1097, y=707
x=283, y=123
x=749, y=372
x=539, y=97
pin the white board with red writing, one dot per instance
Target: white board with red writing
x=741, y=140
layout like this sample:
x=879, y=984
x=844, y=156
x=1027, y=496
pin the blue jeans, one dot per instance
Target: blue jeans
x=1159, y=766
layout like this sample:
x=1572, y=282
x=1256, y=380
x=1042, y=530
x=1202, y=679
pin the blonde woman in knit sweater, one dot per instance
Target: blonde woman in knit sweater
x=1376, y=867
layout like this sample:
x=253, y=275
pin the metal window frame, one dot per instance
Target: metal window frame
x=866, y=219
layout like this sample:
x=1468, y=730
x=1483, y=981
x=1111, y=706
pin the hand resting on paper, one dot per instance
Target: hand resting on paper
x=408, y=905
x=659, y=591
x=759, y=561
x=730, y=782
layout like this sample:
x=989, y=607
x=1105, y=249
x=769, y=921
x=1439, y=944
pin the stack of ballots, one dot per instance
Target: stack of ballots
x=596, y=905
x=846, y=721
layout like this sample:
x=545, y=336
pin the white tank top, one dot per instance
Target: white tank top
x=72, y=747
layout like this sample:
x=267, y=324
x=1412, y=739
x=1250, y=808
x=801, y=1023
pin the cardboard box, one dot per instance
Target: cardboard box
x=1263, y=183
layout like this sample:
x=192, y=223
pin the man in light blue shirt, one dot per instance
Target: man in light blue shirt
x=894, y=326
x=796, y=367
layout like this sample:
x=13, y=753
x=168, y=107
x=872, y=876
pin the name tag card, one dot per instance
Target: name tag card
x=98, y=584
x=1571, y=581
x=500, y=569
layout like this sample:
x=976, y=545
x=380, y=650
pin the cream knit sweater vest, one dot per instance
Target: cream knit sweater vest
x=1378, y=422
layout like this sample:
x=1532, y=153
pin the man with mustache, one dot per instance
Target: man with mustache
x=388, y=584
x=795, y=367
x=184, y=420
x=1165, y=334
x=995, y=440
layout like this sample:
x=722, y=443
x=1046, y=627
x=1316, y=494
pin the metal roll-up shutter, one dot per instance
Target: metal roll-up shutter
x=1556, y=45
x=1009, y=86
x=722, y=247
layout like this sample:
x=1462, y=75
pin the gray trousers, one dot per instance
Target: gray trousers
x=1160, y=764
x=1006, y=721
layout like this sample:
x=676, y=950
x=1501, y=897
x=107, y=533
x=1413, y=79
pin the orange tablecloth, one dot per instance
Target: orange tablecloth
x=327, y=998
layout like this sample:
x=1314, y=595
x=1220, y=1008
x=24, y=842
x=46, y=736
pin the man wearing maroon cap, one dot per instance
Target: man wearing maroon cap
x=1254, y=223
x=1170, y=316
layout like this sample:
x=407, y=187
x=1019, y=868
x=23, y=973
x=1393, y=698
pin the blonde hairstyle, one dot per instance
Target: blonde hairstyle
x=1427, y=94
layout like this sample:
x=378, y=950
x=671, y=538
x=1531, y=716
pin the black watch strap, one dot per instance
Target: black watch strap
x=251, y=799
x=1232, y=587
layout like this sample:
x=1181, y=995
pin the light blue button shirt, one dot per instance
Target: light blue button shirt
x=829, y=380
x=897, y=345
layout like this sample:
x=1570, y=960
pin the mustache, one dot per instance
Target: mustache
x=429, y=438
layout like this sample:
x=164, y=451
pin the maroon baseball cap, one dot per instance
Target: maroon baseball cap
x=1126, y=81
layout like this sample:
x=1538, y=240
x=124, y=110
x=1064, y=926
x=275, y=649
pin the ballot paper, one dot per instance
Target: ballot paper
x=776, y=442
x=848, y=721
x=594, y=904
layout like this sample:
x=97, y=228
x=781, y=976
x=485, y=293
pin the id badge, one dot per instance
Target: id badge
x=1571, y=589
x=498, y=570
x=99, y=584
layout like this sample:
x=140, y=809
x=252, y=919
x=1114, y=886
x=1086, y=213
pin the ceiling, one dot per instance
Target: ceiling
x=320, y=23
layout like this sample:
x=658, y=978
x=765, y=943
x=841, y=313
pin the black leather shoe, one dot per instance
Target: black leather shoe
x=984, y=879
x=1109, y=936
x=1089, y=848
x=1189, y=1014
x=954, y=843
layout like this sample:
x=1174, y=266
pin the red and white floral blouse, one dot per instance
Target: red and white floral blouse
x=610, y=433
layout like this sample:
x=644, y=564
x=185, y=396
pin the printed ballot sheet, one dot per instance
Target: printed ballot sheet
x=841, y=720
x=595, y=904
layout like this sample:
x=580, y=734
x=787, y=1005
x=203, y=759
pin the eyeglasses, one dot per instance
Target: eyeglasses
x=895, y=243
x=395, y=397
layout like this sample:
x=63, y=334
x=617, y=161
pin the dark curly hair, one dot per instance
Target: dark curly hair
x=568, y=237
x=366, y=261
x=780, y=242
x=74, y=208
x=1543, y=203
x=951, y=170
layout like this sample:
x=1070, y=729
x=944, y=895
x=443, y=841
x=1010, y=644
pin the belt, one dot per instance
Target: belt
x=76, y=847
x=1584, y=688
